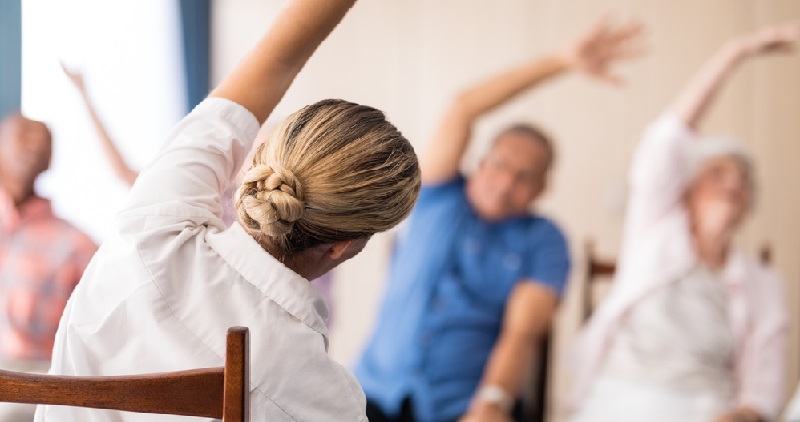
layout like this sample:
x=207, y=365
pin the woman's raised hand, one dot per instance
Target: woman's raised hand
x=778, y=38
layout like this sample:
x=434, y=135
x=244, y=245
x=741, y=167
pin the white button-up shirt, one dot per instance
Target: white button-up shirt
x=161, y=293
x=657, y=250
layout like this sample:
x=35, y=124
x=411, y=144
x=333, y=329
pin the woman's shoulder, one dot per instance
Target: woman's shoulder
x=759, y=272
x=764, y=286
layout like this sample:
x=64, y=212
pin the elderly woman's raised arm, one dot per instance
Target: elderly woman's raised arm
x=659, y=173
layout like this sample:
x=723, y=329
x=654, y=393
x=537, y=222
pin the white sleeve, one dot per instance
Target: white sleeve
x=793, y=410
x=659, y=174
x=184, y=184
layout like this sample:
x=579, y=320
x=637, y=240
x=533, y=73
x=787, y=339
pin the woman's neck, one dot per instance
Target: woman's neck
x=297, y=263
x=712, y=248
x=19, y=192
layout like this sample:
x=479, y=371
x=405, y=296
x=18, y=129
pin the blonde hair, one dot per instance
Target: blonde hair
x=332, y=171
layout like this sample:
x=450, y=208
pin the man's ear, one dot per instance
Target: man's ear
x=545, y=186
x=338, y=249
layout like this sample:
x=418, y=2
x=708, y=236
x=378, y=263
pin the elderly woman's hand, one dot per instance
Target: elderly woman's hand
x=778, y=38
x=740, y=415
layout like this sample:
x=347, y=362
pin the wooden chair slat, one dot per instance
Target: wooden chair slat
x=189, y=393
x=220, y=393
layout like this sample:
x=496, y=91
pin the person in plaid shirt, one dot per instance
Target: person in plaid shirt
x=42, y=257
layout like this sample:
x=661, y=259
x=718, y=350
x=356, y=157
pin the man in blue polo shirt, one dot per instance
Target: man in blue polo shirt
x=476, y=278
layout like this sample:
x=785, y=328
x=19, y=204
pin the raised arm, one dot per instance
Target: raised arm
x=658, y=175
x=694, y=100
x=593, y=54
x=183, y=186
x=260, y=80
x=118, y=164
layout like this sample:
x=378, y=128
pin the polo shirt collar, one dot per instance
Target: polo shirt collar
x=283, y=286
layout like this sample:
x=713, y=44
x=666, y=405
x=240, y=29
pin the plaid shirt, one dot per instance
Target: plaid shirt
x=42, y=258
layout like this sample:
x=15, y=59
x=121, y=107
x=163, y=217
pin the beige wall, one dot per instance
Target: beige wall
x=410, y=57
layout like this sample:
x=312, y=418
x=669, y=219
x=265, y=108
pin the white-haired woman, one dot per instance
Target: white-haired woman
x=162, y=291
x=693, y=330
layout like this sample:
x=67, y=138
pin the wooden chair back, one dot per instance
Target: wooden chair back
x=595, y=269
x=221, y=392
x=536, y=409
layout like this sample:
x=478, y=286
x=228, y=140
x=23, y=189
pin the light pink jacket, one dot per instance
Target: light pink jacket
x=657, y=249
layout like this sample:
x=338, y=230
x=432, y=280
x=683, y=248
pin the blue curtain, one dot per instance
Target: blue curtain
x=10, y=55
x=196, y=37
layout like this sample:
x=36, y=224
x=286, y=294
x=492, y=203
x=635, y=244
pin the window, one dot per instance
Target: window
x=129, y=53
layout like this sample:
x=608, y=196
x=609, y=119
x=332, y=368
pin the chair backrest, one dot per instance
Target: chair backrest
x=596, y=269
x=221, y=392
x=536, y=407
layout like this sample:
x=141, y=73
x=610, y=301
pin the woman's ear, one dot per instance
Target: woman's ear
x=339, y=249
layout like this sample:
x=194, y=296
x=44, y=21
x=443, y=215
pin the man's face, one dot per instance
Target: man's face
x=25, y=148
x=511, y=176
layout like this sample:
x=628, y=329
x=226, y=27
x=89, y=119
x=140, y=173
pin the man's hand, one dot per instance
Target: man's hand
x=595, y=52
x=485, y=412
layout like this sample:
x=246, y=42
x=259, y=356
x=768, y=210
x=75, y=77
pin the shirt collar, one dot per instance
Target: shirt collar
x=735, y=270
x=283, y=286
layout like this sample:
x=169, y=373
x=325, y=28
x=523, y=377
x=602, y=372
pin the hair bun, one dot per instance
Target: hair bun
x=270, y=199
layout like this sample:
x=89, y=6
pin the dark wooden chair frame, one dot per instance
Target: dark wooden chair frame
x=220, y=392
x=537, y=410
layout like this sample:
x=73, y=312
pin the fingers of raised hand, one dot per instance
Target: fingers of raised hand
x=610, y=43
x=772, y=39
x=74, y=76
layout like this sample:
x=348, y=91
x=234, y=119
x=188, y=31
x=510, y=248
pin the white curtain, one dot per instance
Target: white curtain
x=129, y=53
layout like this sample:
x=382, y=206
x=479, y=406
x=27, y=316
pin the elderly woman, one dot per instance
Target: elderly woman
x=693, y=330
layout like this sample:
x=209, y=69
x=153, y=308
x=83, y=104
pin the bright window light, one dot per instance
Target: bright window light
x=129, y=52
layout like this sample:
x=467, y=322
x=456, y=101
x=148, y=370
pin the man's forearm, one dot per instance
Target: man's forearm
x=445, y=151
x=503, y=87
x=509, y=366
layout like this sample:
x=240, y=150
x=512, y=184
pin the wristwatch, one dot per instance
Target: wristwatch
x=496, y=395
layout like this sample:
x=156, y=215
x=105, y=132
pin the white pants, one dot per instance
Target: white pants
x=624, y=401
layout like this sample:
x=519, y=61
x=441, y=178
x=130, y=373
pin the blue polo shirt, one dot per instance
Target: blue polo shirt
x=450, y=276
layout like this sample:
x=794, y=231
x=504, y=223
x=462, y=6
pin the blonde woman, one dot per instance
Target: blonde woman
x=127, y=175
x=693, y=330
x=161, y=292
